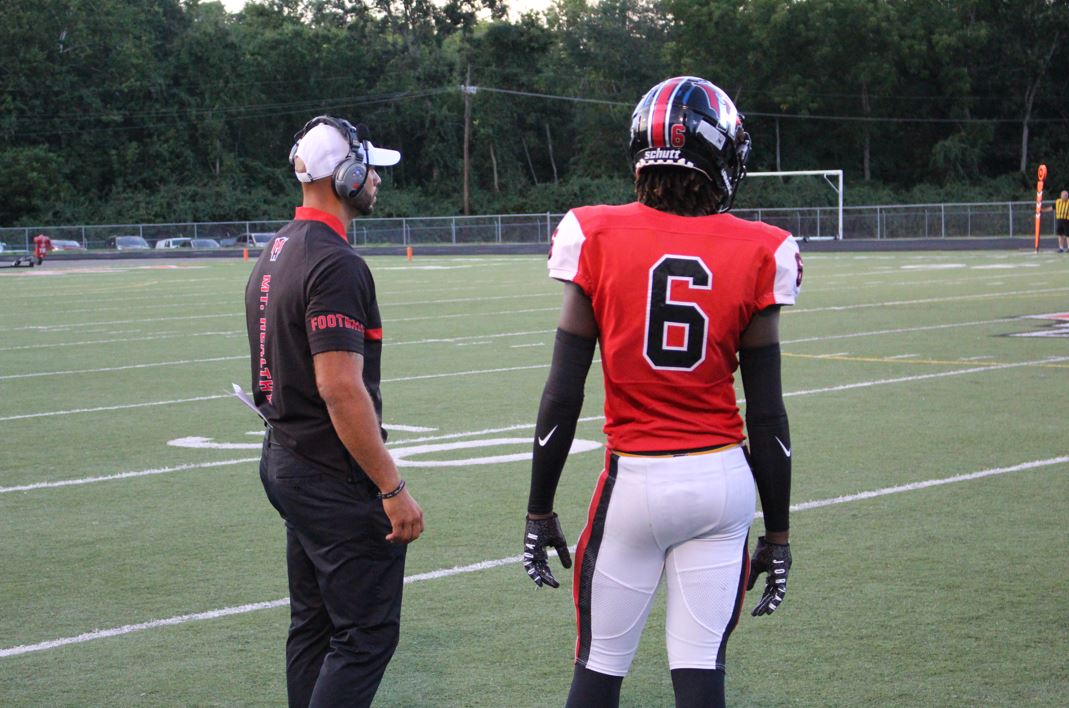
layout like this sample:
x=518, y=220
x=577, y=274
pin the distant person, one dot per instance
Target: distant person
x=315, y=339
x=1061, y=220
x=41, y=246
x=677, y=294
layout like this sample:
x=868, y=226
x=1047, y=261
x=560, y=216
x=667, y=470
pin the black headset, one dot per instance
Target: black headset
x=351, y=174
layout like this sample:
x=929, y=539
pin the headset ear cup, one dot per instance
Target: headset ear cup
x=349, y=180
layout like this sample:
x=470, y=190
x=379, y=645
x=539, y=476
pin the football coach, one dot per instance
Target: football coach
x=315, y=340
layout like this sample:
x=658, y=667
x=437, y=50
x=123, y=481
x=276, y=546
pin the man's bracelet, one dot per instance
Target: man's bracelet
x=394, y=493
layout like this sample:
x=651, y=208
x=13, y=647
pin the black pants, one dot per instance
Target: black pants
x=345, y=581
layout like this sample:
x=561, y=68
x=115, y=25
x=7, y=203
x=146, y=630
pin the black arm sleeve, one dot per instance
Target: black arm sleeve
x=558, y=413
x=769, y=434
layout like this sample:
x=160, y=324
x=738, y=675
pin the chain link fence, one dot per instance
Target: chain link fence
x=916, y=221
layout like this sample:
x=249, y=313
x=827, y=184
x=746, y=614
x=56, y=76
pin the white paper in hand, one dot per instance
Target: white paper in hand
x=244, y=398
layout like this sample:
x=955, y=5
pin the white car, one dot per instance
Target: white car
x=254, y=240
x=173, y=243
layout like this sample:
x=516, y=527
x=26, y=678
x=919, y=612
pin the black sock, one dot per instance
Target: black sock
x=593, y=690
x=698, y=688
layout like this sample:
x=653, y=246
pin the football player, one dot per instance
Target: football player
x=678, y=294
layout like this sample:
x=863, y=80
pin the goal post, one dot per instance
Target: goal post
x=834, y=178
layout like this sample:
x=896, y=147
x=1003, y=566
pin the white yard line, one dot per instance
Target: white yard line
x=900, y=330
x=459, y=300
x=474, y=314
x=833, y=308
x=913, y=486
x=474, y=372
x=37, y=374
x=928, y=300
x=124, y=475
x=862, y=384
x=119, y=407
x=926, y=377
x=76, y=325
x=896, y=279
x=241, y=315
x=496, y=563
x=151, y=338
x=242, y=333
x=224, y=463
x=466, y=338
x=521, y=426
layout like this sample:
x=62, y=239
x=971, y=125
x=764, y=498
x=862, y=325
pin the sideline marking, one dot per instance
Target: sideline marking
x=487, y=565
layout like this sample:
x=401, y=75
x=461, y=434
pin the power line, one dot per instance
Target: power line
x=573, y=99
x=246, y=112
x=791, y=116
x=264, y=110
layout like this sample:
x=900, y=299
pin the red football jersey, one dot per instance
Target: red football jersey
x=41, y=245
x=672, y=295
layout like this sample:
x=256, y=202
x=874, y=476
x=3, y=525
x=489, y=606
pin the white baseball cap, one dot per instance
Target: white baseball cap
x=323, y=148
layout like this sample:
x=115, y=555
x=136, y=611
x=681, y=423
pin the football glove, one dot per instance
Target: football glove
x=774, y=559
x=539, y=534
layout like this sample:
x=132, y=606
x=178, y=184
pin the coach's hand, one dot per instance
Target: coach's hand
x=539, y=534
x=406, y=518
x=774, y=559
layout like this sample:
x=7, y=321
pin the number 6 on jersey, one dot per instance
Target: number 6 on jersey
x=676, y=332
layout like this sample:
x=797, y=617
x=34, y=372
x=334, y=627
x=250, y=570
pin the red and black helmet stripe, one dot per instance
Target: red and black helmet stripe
x=659, y=120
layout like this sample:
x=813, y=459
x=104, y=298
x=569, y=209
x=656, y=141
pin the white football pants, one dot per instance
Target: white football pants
x=684, y=518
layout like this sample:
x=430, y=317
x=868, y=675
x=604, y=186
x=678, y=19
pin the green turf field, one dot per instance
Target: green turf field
x=931, y=489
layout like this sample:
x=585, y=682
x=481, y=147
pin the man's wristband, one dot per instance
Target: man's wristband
x=390, y=495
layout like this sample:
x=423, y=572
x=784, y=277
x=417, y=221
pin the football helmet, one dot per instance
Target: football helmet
x=689, y=122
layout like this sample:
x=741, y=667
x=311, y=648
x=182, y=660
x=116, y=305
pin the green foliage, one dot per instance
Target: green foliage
x=152, y=110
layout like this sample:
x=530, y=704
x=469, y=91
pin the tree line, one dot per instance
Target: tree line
x=120, y=111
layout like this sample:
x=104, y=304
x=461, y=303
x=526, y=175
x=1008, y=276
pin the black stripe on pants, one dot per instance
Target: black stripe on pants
x=590, y=560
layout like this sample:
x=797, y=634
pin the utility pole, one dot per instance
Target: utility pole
x=469, y=91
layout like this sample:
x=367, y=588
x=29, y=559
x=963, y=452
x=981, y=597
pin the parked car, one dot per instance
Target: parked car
x=127, y=243
x=60, y=244
x=203, y=243
x=257, y=239
x=173, y=243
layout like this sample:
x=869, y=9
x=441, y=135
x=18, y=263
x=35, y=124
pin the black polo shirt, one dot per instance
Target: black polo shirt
x=309, y=292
